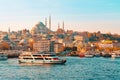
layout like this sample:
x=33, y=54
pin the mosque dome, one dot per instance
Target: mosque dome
x=39, y=28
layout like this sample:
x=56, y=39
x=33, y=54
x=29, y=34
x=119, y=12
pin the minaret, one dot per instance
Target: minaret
x=58, y=26
x=9, y=31
x=49, y=23
x=46, y=22
x=63, y=25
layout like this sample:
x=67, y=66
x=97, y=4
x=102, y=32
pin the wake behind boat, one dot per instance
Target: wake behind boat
x=29, y=57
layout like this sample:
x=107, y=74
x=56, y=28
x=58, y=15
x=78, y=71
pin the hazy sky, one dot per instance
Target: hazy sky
x=78, y=15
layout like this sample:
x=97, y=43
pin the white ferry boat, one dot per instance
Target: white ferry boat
x=29, y=57
x=3, y=56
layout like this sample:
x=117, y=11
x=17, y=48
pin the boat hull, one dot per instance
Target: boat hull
x=42, y=62
x=89, y=56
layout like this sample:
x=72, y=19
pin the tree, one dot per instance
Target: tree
x=4, y=45
x=31, y=42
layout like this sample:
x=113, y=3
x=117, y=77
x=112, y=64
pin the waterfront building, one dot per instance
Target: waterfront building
x=36, y=37
x=116, y=44
x=109, y=45
x=23, y=42
x=25, y=34
x=59, y=40
x=16, y=41
x=12, y=36
x=58, y=47
x=20, y=47
x=52, y=46
x=106, y=44
x=101, y=45
x=42, y=45
x=68, y=42
x=69, y=32
x=79, y=42
x=60, y=30
x=25, y=31
x=80, y=38
x=19, y=44
x=54, y=38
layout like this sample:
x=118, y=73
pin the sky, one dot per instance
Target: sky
x=78, y=15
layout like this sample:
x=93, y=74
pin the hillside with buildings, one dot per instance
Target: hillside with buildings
x=41, y=38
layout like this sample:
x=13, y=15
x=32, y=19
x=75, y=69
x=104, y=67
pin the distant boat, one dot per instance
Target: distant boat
x=3, y=56
x=81, y=55
x=106, y=54
x=97, y=55
x=89, y=55
x=47, y=58
x=115, y=55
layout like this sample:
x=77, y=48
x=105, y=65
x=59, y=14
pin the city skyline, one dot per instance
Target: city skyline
x=79, y=15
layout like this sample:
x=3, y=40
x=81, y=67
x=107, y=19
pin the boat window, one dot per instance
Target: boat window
x=46, y=55
x=38, y=58
x=53, y=55
x=25, y=55
x=47, y=58
x=37, y=55
x=27, y=58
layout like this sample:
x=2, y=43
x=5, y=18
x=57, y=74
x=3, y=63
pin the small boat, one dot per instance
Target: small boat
x=37, y=58
x=3, y=56
x=97, y=55
x=115, y=55
x=106, y=55
x=81, y=55
x=89, y=55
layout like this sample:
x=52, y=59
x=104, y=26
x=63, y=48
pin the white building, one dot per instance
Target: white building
x=77, y=37
x=42, y=45
x=106, y=45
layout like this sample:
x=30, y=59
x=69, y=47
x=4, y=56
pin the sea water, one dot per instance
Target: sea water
x=74, y=69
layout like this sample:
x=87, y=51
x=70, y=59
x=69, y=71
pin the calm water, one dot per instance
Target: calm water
x=75, y=69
